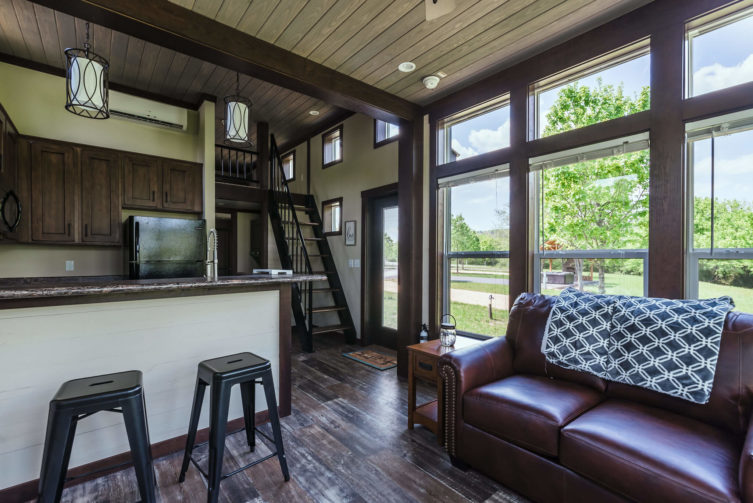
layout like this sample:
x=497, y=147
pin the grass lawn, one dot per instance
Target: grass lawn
x=477, y=274
x=389, y=313
x=481, y=287
x=475, y=319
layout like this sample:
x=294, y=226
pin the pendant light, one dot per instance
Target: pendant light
x=237, y=116
x=86, y=82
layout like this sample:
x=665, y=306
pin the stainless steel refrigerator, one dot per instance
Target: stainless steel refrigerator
x=166, y=247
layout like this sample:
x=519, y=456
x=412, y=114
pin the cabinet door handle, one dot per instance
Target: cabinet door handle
x=426, y=366
x=166, y=199
x=69, y=228
x=86, y=230
x=152, y=196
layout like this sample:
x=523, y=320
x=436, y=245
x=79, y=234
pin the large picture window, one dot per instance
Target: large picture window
x=476, y=254
x=611, y=86
x=475, y=131
x=719, y=50
x=720, y=230
x=591, y=218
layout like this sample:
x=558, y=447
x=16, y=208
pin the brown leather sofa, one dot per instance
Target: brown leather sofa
x=557, y=435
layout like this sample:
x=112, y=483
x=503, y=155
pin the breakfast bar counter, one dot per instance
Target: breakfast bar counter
x=54, y=330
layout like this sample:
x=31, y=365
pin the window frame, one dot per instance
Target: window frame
x=338, y=128
x=600, y=63
x=632, y=143
x=443, y=193
x=292, y=169
x=445, y=123
x=704, y=24
x=377, y=142
x=707, y=129
x=330, y=202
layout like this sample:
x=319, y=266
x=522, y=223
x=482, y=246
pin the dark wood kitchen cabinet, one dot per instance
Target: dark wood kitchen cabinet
x=161, y=184
x=142, y=182
x=181, y=186
x=100, y=197
x=53, y=188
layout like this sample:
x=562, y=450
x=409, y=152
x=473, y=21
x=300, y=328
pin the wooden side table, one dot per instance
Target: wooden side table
x=422, y=364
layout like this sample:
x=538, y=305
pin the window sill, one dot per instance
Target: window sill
x=327, y=165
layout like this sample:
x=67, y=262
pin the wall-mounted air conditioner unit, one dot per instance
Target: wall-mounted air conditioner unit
x=133, y=108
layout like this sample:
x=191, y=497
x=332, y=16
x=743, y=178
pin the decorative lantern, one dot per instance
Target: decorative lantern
x=237, y=116
x=447, y=333
x=86, y=82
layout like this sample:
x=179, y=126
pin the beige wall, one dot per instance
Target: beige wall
x=164, y=338
x=363, y=167
x=35, y=103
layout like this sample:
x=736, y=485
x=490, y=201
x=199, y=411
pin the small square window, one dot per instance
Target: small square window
x=332, y=147
x=384, y=132
x=288, y=166
x=719, y=50
x=332, y=216
x=475, y=131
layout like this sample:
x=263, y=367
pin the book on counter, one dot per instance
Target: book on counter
x=274, y=272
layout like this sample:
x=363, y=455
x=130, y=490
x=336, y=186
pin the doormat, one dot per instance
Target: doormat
x=373, y=359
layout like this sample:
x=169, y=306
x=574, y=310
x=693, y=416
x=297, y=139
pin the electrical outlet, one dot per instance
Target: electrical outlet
x=69, y=265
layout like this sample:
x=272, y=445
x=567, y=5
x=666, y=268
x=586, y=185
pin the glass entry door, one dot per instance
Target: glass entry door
x=381, y=288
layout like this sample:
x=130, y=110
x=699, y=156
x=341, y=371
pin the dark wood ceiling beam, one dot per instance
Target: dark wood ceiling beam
x=185, y=31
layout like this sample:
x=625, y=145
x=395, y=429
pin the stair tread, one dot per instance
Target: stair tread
x=318, y=255
x=293, y=238
x=300, y=207
x=325, y=290
x=322, y=272
x=327, y=309
x=331, y=328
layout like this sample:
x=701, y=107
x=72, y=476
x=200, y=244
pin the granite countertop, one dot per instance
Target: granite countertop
x=47, y=288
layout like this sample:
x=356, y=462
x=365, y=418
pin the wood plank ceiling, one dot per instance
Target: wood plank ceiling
x=38, y=34
x=365, y=39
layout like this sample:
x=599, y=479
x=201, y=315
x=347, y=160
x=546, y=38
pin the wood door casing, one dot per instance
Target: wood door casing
x=181, y=186
x=142, y=182
x=54, y=186
x=100, y=197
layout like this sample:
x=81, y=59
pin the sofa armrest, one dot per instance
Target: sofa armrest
x=465, y=369
x=746, y=466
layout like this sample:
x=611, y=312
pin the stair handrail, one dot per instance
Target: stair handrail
x=274, y=155
x=277, y=187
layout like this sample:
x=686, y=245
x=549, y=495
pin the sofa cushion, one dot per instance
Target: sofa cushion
x=649, y=454
x=528, y=410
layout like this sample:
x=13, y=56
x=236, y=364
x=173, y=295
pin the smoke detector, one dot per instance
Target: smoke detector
x=430, y=81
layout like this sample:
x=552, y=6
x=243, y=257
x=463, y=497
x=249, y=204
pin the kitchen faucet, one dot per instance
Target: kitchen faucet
x=212, y=269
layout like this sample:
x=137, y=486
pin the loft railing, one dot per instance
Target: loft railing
x=235, y=164
x=294, y=255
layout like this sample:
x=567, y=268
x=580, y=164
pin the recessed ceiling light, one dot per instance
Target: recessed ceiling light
x=406, y=66
x=314, y=112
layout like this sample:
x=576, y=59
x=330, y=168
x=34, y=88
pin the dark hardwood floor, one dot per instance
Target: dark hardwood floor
x=346, y=440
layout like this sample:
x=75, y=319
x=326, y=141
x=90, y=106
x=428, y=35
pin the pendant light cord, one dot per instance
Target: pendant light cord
x=86, y=42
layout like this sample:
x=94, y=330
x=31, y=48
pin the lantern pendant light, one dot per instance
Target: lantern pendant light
x=86, y=82
x=237, y=116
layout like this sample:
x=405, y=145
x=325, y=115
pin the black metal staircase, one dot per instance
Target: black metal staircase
x=304, y=249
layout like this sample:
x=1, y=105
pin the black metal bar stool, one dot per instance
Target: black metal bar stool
x=246, y=369
x=122, y=392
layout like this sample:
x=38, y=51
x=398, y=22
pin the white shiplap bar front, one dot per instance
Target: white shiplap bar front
x=41, y=347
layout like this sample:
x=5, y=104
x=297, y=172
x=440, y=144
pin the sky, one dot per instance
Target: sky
x=721, y=58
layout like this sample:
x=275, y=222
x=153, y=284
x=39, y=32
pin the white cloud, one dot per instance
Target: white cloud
x=462, y=150
x=486, y=140
x=718, y=76
x=732, y=178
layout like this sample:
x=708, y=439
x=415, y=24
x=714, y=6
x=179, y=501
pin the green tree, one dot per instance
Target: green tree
x=390, y=249
x=603, y=203
x=463, y=237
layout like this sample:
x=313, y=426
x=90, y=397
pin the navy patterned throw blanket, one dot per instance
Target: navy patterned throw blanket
x=669, y=346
